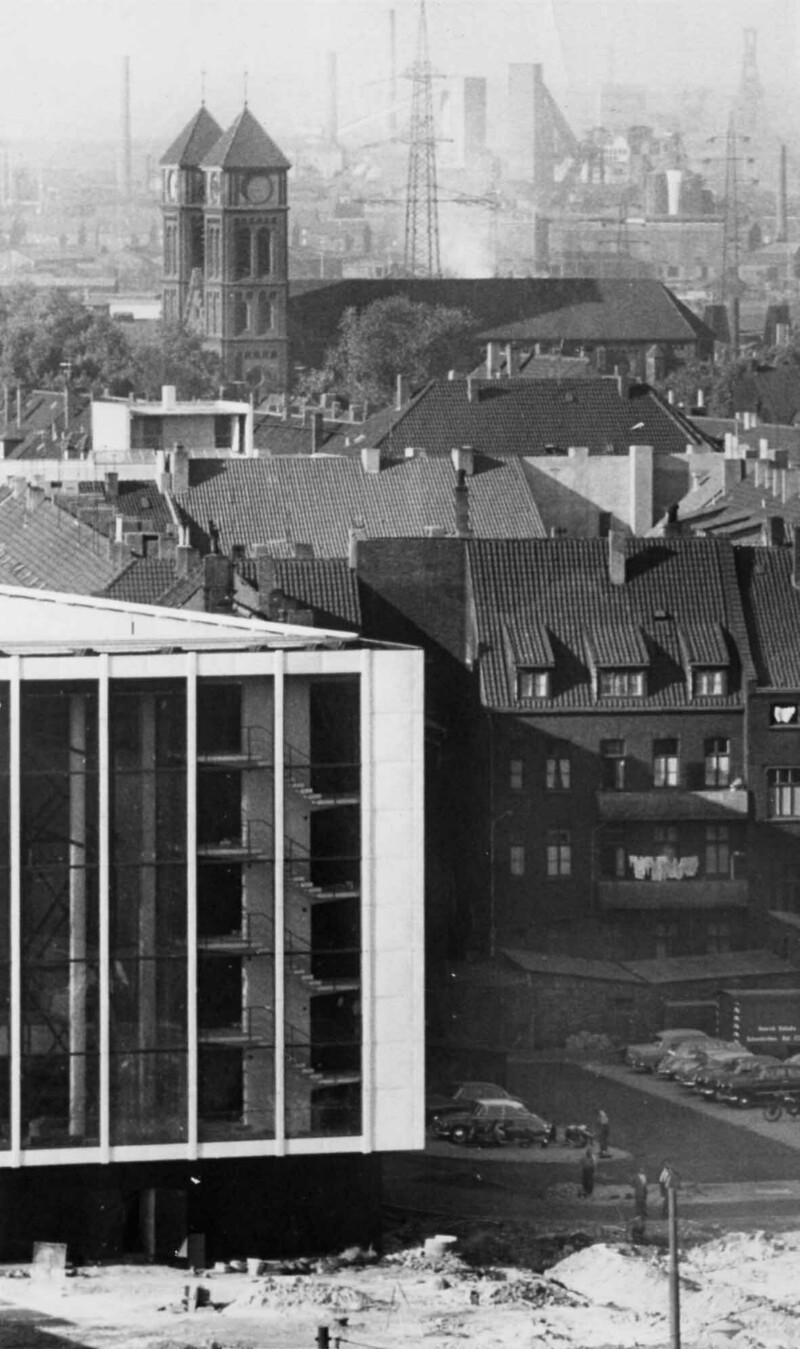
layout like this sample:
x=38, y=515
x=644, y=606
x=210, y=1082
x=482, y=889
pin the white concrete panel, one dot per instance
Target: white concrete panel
x=394, y=927
x=394, y=783
x=394, y=833
x=393, y=737
x=396, y=1125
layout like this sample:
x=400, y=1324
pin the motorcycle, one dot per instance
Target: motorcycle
x=775, y=1109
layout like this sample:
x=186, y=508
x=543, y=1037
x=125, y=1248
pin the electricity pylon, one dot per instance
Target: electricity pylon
x=422, y=204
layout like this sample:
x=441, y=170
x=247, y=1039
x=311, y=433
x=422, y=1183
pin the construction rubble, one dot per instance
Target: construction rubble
x=739, y=1291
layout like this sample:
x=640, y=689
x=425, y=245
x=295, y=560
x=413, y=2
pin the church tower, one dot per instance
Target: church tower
x=246, y=256
x=183, y=199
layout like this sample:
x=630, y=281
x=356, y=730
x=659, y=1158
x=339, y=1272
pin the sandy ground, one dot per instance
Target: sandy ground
x=740, y=1291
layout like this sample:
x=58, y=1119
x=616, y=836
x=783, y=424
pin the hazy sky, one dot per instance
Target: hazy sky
x=60, y=60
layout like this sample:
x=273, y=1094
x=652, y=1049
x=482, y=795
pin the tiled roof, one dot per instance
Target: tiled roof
x=532, y=417
x=245, y=145
x=46, y=419
x=777, y=436
x=183, y=589
x=275, y=436
x=196, y=139
x=549, y=308
x=564, y=585
x=138, y=501
x=741, y=513
x=772, y=609
x=703, y=643
x=143, y=581
x=616, y=645
x=43, y=548
x=326, y=585
x=528, y=643
x=317, y=500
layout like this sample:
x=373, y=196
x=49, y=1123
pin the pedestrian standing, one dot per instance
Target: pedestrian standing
x=603, y=1130
x=666, y=1182
x=640, y=1194
x=588, y=1166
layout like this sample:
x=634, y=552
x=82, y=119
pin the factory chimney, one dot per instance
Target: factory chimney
x=782, y=223
x=333, y=100
x=392, y=77
x=124, y=184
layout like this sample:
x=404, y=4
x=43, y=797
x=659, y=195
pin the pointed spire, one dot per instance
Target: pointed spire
x=196, y=139
x=245, y=145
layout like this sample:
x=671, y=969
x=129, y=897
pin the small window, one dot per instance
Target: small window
x=533, y=683
x=783, y=714
x=241, y=251
x=784, y=793
x=621, y=684
x=559, y=853
x=718, y=938
x=612, y=756
x=559, y=769
x=718, y=850
x=717, y=763
x=710, y=683
x=516, y=774
x=665, y=763
x=516, y=860
x=666, y=842
x=263, y=252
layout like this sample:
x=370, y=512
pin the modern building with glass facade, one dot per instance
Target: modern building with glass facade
x=211, y=927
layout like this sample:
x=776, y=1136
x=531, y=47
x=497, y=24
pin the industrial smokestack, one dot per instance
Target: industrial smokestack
x=125, y=184
x=392, y=77
x=333, y=100
x=474, y=119
x=782, y=230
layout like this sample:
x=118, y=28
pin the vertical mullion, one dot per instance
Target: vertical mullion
x=279, y=882
x=367, y=935
x=191, y=900
x=104, y=874
x=15, y=913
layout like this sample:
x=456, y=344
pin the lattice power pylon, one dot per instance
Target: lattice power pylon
x=422, y=205
x=748, y=105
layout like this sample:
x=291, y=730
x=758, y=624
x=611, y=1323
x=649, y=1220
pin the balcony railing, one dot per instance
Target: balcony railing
x=702, y=893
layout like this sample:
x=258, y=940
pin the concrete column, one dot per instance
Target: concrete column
x=77, y=916
x=641, y=488
x=147, y=950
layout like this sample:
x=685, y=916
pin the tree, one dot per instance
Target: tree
x=175, y=356
x=716, y=381
x=47, y=334
x=393, y=337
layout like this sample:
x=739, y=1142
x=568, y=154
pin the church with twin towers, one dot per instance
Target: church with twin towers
x=225, y=208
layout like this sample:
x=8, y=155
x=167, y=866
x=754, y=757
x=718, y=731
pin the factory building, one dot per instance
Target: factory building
x=211, y=851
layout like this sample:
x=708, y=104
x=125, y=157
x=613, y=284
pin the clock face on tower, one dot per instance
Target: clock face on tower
x=258, y=188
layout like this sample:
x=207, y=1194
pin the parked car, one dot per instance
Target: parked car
x=498, y=1121
x=461, y=1096
x=774, y=1083
x=686, y=1055
x=644, y=1058
x=715, y=1077
x=706, y=1061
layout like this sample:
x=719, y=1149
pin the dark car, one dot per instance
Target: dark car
x=715, y=1077
x=462, y=1096
x=494, y=1122
x=781, y=1080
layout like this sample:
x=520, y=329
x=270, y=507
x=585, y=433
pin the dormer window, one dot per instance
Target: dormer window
x=709, y=683
x=532, y=683
x=621, y=683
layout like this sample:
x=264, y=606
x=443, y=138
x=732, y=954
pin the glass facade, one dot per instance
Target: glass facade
x=189, y=898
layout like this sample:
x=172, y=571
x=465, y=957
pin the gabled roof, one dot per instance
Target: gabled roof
x=772, y=609
x=703, y=644
x=596, y=310
x=771, y=391
x=245, y=145
x=328, y=586
x=565, y=586
x=44, y=549
x=741, y=512
x=144, y=580
x=316, y=501
x=196, y=139
x=524, y=417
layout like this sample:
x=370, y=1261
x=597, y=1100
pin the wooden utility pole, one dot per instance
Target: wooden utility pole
x=674, y=1285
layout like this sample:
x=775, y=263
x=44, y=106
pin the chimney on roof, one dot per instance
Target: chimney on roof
x=733, y=471
x=463, y=457
x=461, y=503
x=671, y=397
x=112, y=486
x=217, y=583
x=186, y=557
x=179, y=468
x=492, y=360
x=18, y=484
x=616, y=557
x=371, y=459
x=470, y=389
x=700, y=403
x=168, y=397
x=317, y=432
x=773, y=533
x=512, y=361
x=34, y=496
x=265, y=578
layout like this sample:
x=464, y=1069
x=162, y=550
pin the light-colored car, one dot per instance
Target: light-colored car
x=644, y=1058
x=687, y=1055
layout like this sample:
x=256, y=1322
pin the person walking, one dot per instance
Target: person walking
x=588, y=1167
x=603, y=1130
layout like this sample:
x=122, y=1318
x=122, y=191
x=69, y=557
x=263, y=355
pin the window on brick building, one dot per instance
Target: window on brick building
x=717, y=762
x=718, y=938
x=665, y=763
x=612, y=755
x=533, y=683
x=516, y=774
x=516, y=860
x=718, y=850
x=558, y=771
x=666, y=940
x=784, y=793
x=621, y=684
x=559, y=852
x=666, y=842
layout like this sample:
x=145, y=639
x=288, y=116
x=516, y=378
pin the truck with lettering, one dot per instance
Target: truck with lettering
x=766, y=1020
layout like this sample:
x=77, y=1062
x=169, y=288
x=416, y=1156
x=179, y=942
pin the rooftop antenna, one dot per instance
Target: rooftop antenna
x=245, y=88
x=422, y=206
x=203, y=87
